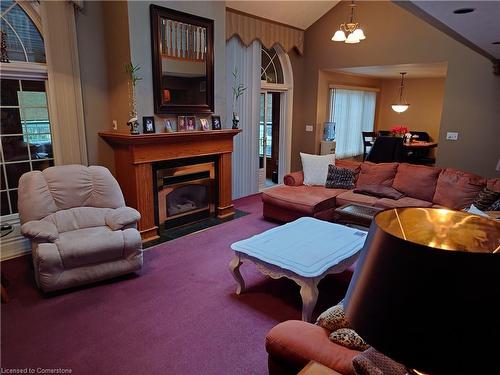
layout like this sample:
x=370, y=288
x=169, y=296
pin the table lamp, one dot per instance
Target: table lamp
x=426, y=290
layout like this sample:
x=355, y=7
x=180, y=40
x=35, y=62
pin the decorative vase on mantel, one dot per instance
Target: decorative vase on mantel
x=236, y=120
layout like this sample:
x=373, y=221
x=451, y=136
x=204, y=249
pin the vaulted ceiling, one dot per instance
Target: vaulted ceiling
x=300, y=14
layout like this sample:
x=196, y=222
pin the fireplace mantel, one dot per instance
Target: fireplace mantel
x=135, y=155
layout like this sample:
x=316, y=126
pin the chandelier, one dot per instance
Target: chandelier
x=356, y=34
x=401, y=105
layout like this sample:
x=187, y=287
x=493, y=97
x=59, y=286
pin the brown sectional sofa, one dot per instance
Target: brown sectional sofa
x=292, y=344
x=423, y=186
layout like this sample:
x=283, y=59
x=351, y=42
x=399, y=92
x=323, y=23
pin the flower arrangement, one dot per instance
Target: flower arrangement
x=399, y=130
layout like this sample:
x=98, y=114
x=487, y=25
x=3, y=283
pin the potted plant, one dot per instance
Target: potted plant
x=238, y=89
x=133, y=78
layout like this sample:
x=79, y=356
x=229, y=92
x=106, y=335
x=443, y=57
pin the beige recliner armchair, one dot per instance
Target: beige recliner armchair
x=79, y=227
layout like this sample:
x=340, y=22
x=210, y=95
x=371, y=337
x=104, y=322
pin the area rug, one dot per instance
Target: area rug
x=179, y=315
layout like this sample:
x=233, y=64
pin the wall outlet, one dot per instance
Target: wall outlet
x=115, y=125
x=309, y=128
x=452, y=136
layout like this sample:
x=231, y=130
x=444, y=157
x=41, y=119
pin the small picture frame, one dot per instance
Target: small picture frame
x=181, y=123
x=148, y=124
x=216, y=124
x=190, y=123
x=168, y=126
x=204, y=124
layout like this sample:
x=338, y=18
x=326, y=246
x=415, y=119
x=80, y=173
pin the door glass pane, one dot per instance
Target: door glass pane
x=15, y=171
x=11, y=121
x=14, y=148
x=25, y=136
x=10, y=87
x=269, y=125
x=261, y=124
x=4, y=204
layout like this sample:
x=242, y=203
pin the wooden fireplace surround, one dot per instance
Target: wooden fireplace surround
x=135, y=155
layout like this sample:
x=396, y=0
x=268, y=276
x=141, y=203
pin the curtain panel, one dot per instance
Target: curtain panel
x=249, y=28
x=247, y=61
x=353, y=112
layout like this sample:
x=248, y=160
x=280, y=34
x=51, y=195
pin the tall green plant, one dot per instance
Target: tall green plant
x=238, y=89
x=133, y=78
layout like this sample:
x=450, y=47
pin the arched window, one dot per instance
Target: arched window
x=22, y=38
x=271, y=70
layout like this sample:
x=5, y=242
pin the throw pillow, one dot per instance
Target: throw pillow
x=333, y=318
x=349, y=338
x=340, y=178
x=456, y=189
x=495, y=206
x=372, y=362
x=315, y=168
x=486, y=198
x=380, y=191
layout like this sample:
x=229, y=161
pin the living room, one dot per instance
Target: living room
x=186, y=294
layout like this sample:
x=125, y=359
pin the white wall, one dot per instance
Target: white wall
x=140, y=48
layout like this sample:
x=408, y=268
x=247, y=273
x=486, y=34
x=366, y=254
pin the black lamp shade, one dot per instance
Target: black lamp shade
x=426, y=290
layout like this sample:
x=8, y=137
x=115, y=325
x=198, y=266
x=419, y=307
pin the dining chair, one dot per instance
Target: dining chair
x=386, y=150
x=368, y=140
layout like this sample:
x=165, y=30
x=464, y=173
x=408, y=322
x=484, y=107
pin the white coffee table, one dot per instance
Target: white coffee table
x=305, y=251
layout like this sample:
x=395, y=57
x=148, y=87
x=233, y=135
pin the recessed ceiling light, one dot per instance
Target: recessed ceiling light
x=464, y=10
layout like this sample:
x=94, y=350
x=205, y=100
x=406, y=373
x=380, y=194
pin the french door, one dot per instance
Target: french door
x=269, y=131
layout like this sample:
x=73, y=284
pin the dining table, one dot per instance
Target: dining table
x=418, y=145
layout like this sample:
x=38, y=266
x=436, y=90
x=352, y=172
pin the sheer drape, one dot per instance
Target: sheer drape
x=246, y=147
x=353, y=112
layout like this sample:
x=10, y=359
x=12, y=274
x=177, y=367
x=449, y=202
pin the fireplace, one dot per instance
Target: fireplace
x=138, y=157
x=185, y=192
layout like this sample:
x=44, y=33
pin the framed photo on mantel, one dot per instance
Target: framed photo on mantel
x=216, y=124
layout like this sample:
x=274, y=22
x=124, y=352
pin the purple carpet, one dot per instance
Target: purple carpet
x=180, y=315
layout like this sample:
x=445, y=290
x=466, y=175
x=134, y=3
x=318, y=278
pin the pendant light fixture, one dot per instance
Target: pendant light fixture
x=401, y=105
x=356, y=34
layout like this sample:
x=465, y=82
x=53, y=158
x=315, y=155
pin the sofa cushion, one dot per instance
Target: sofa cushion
x=300, y=342
x=376, y=174
x=416, y=181
x=379, y=191
x=305, y=199
x=89, y=246
x=78, y=218
x=350, y=196
x=457, y=189
x=340, y=178
x=315, y=168
x=347, y=163
x=403, y=202
x=494, y=184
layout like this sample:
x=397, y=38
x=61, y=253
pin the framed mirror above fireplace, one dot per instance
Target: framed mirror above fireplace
x=183, y=62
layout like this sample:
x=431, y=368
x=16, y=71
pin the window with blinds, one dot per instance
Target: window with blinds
x=353, y=112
